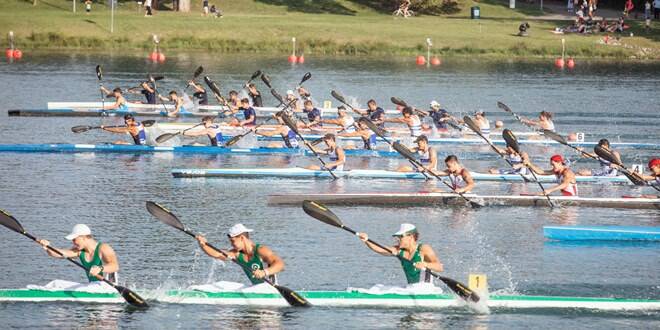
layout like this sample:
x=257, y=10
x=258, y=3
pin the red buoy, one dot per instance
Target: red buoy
x=421, y=60
x=435, y=61
x=153, y=56
x=161, y=57
x=301, y=59
x=559, y=62
x=9, y=53
x=570, y=63
x=18, y=54
x=293, y=59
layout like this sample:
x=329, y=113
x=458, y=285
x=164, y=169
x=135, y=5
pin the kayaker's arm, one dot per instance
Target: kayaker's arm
x=275, y=263
x=208, y=250
x=430, y=260
x=109, y=258
x=365, y=238
x=66, y=253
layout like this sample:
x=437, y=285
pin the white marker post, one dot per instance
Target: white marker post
x=428, y=52
x=563, y=49
x=293, y=40
x=112, y=16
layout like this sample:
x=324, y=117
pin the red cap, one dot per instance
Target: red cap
x=654, y=162
x=557, y=159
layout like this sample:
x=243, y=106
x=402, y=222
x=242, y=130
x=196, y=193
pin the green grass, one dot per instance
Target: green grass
x=256, y=27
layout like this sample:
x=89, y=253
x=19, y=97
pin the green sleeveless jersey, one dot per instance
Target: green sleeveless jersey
x=96, y=261
x=251, y=265
x=412, y=274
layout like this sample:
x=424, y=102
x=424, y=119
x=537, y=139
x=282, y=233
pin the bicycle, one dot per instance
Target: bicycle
x=402, y=13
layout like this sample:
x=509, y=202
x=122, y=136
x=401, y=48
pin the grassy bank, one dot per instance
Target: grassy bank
x=255, y=27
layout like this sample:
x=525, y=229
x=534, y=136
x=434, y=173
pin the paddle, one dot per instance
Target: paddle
x=403, y=103
x=196, y=74
x=153, y=80
x=254, y=76
x=85, y=128
x=266, y=79
x=515, y=115
x=632, y=176
x=216, y=92
x=131, y=297
x=99, y=76
x=323, y=214
x=167, y=217
x=405, y=152
x=292, y=126
x=513, y=143
x=475, y=128
x=167, y=136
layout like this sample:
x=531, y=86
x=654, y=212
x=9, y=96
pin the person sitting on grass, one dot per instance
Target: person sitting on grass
x=215, y=12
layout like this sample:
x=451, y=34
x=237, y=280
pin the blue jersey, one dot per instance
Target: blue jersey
x=370, y=143
x=437, y=116
x=377, y=115
x=217, y=136
x=249, y=112
x=313, y=114
x=202, y=97
x=150, y=96
x=291, y=139
x=141, y=137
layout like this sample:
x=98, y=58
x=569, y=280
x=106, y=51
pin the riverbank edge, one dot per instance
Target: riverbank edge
x=321, y=47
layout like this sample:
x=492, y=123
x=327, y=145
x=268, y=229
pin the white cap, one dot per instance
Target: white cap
x=78, y=230
x=289, y=92
x=238, y=229
x=435, y=104
x=405, y=228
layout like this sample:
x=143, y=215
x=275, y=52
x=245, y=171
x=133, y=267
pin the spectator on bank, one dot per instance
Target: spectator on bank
x=656, y=9
x=88, y=6
x=215, y=12
x=205, y=7
x=647, y=15
x=147, y=8
x=628, y=7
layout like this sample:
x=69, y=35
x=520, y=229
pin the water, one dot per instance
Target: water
x=49, y=193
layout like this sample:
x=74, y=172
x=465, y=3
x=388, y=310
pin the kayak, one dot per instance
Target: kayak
x=135, y=149
x=604, y=233
x=470, y=140
x=366, y=174
x=335, y=299
x=442, y=199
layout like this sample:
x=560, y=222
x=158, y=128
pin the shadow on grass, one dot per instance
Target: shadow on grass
x=49, y=4
x=312, y=7
x=96, y=24
x=444, y=7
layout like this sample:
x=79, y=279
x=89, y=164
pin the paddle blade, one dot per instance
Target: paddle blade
x=373, y=127
x=276, y=96
x=511, y=140
x=634, y=178
x=398, y=101
x=319, y=212
x=131, y=297
x=554, y=136
x=403, y=150
x=148, y=122
x=290, y=123
x=164, y=215
x=199, y=71
x=338, y=96
x=233, y=140
x=158, y=78
x=255, y=75
x=266, y=79
x=80, y=129
x=10, y=222
x=504, y=107
x=471, y=124
x=165, y=137
x=305, y=77
x=316, y=142
x=212, y=85
x=607, y=155
x=460, y=289
x=99, y=72
x=292, y=297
